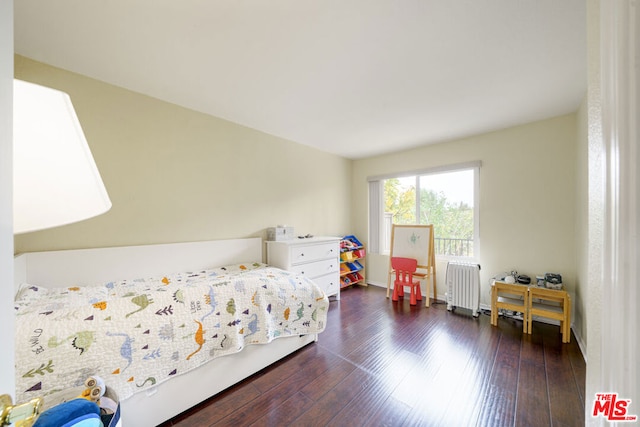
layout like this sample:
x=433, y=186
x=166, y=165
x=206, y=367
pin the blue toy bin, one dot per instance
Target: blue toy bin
x=353, y=239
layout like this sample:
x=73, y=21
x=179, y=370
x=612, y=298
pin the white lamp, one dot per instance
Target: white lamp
x=55, y=179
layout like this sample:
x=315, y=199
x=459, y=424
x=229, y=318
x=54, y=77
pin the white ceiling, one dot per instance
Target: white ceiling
x=351, y=77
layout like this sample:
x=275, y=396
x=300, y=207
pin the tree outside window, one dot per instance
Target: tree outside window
x=445, y=200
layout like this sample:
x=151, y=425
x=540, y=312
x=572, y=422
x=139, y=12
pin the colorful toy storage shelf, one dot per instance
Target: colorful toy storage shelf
x=352, y=258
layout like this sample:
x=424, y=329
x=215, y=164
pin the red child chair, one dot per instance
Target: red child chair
x=404, y=268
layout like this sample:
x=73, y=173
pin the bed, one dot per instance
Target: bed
x=152, y=400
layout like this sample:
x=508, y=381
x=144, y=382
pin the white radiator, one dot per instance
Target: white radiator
x=463, y=286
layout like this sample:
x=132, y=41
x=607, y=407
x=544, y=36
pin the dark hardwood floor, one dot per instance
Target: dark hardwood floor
x=384, y=363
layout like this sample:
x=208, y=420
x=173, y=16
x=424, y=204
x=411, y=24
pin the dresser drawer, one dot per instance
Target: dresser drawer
x=309, y=253
x=317, y=258
x=316, y=269
x=329, y=283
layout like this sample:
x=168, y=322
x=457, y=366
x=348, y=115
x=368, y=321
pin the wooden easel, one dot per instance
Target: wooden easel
x=415, y=241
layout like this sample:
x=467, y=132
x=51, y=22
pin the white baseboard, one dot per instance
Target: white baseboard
x=581, y=344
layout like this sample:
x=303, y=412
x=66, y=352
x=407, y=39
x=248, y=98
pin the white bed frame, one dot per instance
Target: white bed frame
x=94, y=266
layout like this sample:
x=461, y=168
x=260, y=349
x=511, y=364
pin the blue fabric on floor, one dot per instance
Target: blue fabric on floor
x=66, y=412
x=88, y=420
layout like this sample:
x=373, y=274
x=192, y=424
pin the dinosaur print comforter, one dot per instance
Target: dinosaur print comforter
x=138, y=333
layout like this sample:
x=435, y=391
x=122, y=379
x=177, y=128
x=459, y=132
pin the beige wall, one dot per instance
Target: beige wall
x=527, y=186
x=177, y=175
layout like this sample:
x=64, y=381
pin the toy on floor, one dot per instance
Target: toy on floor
x=95, y=389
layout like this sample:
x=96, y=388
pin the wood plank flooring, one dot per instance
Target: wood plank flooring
x=385, y=363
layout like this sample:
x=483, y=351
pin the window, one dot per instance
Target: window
x=445, y=197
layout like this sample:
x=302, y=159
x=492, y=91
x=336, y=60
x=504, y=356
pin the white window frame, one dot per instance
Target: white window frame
x=377, y=232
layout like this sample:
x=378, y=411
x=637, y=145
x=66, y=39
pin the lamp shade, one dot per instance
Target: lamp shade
x=55, y=179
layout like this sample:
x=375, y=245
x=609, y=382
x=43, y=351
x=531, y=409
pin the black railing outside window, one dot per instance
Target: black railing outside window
x=453, y=247
x=448, y=246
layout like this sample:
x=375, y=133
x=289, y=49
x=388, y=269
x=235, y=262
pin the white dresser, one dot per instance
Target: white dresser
x=317, y=258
